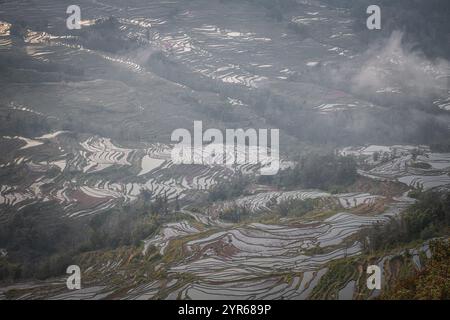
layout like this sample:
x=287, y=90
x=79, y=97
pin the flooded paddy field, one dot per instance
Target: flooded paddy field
x=415, y=166
x=86, y=128
x=90, y=162
x=245, y=261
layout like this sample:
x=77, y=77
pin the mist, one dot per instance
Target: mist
x=396, y=67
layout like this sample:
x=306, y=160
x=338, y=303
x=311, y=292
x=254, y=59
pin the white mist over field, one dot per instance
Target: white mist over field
x=392, y=65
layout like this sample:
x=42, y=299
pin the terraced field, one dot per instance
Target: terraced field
x=92, y=161
x=283, y=259
x=248, y=261
x=415, y=166
x=87, y=129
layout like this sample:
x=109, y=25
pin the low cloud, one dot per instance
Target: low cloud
x=393, y=67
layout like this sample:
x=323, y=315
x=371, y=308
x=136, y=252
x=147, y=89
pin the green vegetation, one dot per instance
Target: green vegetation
x=41, y=246
x=421, y=165
x=402, y=281
x=9, y=270
x=296, y=207
x=432, y=282
x=105, y=35
x=292, y=208
x=340, y=272
x=326, y=172
x=33, y=239
x=235, y=214
x=229, y=190
x=426, y=219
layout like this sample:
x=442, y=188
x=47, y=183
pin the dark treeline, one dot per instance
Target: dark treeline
x=314, y=171
x=441, y=147
x=230, y=189
x=40, y=245
x=106, y=35
x=46, y=70
x=12, y=124
x=288, y=208
x=326, y=172
x=426, y=219
x=296, y=207
x=235, y=214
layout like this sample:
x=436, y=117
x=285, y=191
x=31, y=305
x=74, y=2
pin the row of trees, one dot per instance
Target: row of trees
x=105, y=35
x=41, y=242
x=291, y=208
x=426, y=219
x=229, y=189
x=235, y=214
x=326, y=172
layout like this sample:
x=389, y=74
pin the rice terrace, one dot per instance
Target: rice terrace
x=344, y=162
